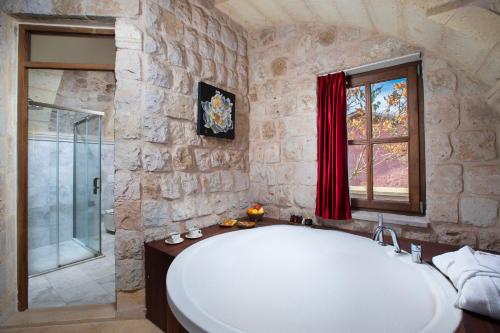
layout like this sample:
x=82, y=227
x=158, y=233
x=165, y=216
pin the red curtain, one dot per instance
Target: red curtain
x=332, y=194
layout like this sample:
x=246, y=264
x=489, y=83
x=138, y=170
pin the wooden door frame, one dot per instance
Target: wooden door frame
x=24, y=64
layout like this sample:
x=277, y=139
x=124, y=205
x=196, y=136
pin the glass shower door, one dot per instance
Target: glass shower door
x=64, y=195
x=87, y=183
x=43, y=190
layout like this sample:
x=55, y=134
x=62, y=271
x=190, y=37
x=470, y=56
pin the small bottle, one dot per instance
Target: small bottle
x=416, y=253
x=308, y=221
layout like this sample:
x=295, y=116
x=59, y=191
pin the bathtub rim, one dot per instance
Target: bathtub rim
x=204, y=322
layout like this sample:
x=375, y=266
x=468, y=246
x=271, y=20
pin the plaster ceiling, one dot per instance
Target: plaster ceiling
x=467, y=33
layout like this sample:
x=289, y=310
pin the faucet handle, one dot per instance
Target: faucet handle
x=416, y=253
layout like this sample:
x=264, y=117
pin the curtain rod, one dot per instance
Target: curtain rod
x=53, y=106
x=377, y=65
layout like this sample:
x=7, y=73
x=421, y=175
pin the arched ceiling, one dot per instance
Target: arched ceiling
x=467, y=33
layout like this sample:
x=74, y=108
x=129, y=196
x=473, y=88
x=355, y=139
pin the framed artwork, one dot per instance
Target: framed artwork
x=216, y=112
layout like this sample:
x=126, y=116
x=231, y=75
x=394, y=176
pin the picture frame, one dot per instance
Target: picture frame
x=216, y=112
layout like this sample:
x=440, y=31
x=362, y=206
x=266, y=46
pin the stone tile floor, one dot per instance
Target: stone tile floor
x=44, y=258
x=91, y=282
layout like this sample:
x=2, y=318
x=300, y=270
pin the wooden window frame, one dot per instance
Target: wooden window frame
x=415, y=139
x=24, y=64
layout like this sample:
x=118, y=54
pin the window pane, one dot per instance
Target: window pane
x=73, y=49
x=390, y=171
x=357, y=171
x=356, y=113
x=389, y=109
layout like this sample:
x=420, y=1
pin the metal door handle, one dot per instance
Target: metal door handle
x=97, y=184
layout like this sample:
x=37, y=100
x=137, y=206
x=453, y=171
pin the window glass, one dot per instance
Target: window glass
x=389, y=109
x=358, y=169
x=390, y=171
x=356, y=113
x=72, y=49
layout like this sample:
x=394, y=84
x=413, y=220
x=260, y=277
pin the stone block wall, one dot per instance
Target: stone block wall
x=167, y=177
x=461, y=130
x=462, y=158
x=93, y=90
x=76, y=8
x=8, y=155
x=100, y=12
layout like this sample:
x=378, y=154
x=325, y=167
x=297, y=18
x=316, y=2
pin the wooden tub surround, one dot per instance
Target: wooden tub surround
x=159, y=256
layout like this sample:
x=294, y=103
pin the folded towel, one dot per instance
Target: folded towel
x=492, y=261
x=476, y=276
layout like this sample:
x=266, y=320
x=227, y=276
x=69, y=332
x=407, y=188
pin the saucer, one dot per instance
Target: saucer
x=173, y=243
x=191, y=237
x=246, y=224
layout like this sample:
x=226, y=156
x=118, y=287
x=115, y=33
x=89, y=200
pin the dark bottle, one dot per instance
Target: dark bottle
x=308, y=221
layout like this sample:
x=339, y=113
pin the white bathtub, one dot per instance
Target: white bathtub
x=289, y=279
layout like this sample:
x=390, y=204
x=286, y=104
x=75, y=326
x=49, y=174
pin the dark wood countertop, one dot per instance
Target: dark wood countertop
x=174, y=250
x=471, y=322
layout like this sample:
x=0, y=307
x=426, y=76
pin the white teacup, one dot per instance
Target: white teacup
x=174, y=237
x=194, y=232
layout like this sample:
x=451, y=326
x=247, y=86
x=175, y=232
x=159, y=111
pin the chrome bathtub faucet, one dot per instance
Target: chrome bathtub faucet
x=378, y=235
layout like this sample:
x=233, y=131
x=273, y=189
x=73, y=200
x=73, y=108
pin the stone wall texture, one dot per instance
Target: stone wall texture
x=92, y=90
x=465, y=33
x=8, y=156
x=74, y=8
x=461, y=130
x=100, y=13
x=167, y=177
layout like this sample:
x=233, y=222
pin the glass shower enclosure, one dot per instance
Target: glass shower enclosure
x=64, y=192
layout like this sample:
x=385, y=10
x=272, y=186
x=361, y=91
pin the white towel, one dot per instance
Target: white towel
x=476, y=275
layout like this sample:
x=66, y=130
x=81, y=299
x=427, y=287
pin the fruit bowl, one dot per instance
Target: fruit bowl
x=255, y=216
x=255, y=212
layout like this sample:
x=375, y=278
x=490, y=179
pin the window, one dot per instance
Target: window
x=384, y=142
x=78, y=48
